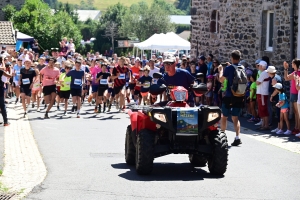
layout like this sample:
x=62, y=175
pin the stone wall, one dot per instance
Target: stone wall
x=17, y=3
x=242, y=26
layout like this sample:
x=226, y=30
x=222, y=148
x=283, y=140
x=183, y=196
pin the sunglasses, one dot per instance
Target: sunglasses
x=125, y=64
x=169, y=63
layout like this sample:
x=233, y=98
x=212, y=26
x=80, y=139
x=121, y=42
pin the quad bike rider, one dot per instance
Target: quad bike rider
x=175, y=127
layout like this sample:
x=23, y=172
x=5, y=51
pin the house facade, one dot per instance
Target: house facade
x=255, y=27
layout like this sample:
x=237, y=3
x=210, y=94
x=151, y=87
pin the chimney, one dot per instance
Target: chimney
x=16, y=33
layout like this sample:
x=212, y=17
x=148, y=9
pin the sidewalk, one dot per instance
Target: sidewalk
x=288, y=142
x=23, y=164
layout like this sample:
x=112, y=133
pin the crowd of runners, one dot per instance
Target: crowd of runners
x=61, y=76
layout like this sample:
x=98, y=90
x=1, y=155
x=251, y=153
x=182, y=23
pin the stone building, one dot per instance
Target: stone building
x=255, y=27
x=17, y=3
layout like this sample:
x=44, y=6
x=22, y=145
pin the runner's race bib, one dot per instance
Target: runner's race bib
x=77, y=81
x=121, y=76
x=146, y=85
x=25, y=81
x=154, y=81
x=36, y=85
x=103, y=82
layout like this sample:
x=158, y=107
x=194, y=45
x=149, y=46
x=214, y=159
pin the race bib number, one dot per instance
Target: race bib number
x=146, y=84
x=154, y=81
x=110, y=85
x=25, y=81
x=67, y=83
x=103, y=82
x=37, y=85
x=77, y=81
x=121, y=76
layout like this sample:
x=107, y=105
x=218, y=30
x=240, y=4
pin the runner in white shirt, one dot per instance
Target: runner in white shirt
x=24, y=56
x=153, y=69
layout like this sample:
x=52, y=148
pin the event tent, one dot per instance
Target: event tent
x=163, y=42
x=24, y=38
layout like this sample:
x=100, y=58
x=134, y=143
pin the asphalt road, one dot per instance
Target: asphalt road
x=85, y=160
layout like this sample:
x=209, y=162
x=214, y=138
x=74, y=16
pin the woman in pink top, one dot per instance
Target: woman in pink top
x=294, y=93
x=49, y=77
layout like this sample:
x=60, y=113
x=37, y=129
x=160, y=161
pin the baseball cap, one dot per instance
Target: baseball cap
x=169, y=58
x=78, y=61
x=263, y=64
x=137, y=59
x=202, y=58
x=277, y=86
x=257, y=61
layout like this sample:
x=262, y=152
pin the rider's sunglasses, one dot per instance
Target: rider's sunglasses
x=169, y=63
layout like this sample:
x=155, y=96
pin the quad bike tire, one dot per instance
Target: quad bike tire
x=217, y=162
x=129, y=147
x=197, y=160
x=144, y=152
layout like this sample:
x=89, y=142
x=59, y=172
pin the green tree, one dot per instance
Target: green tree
x=114, y=14
x=36, y=19
x=142, y=21
x=168, y=7
x=183, y=5
x=9, y=12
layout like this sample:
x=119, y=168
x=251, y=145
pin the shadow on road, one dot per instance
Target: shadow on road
x=109, y=118
x=167, y=172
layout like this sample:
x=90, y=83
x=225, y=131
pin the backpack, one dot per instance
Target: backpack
x=239, y=84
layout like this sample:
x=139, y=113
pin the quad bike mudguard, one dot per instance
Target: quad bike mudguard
x=139, y=120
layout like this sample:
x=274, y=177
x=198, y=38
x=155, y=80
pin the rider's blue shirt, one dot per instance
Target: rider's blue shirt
x=181, y=78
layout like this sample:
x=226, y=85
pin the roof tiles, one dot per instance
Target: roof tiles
x=7, y=36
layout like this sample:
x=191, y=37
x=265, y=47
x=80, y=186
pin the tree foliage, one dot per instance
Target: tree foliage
x=184, y=5
x=142, y=21
x=37, y=20
x=168, y=7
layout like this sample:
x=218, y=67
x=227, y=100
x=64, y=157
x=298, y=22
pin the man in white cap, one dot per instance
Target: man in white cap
x=274, y=78
x=262, y=93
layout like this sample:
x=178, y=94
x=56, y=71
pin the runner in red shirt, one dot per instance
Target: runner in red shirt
x=134, y=72
x=119, y=77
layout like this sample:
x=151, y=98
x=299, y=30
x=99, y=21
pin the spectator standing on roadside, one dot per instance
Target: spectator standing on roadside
x=293, y=90
x=209, y=64
x=262, y=95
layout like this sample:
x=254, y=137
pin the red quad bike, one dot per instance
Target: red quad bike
x=175, y=127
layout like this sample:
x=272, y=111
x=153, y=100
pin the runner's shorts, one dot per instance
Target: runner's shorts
x=131, y=86
x=47, y=90
x=137, y=93
x=232, y=106
x=15, y=83
x=65, y=94
x=101, y=91
x=111, y=92
x=95, y=88
x=118, y=89
x=26, y=91
x=76, y=92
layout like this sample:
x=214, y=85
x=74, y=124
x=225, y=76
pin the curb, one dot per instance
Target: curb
x=269, y=138
x=23, y=164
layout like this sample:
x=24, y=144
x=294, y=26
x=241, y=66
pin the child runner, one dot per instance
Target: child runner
x=103, y=78
x=36, y=89
x=145, y=83
x=65, y=83
x=284, y=109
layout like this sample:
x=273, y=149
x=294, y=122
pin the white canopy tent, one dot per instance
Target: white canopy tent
x=164, y=42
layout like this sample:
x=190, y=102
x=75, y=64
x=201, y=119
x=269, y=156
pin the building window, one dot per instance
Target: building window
x=270, y=31
x=214, y=22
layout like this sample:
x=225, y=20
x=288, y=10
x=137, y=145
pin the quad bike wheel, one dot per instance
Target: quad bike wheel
x=217, y=162
x=197, y=160
x=129, y=147
x=144, y=152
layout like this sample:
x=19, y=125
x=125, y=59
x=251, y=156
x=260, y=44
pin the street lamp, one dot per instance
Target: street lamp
x=197, y=39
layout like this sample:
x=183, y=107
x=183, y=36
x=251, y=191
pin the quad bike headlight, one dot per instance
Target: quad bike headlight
x=160, y=117
x=212, y=116
x=180, y=95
